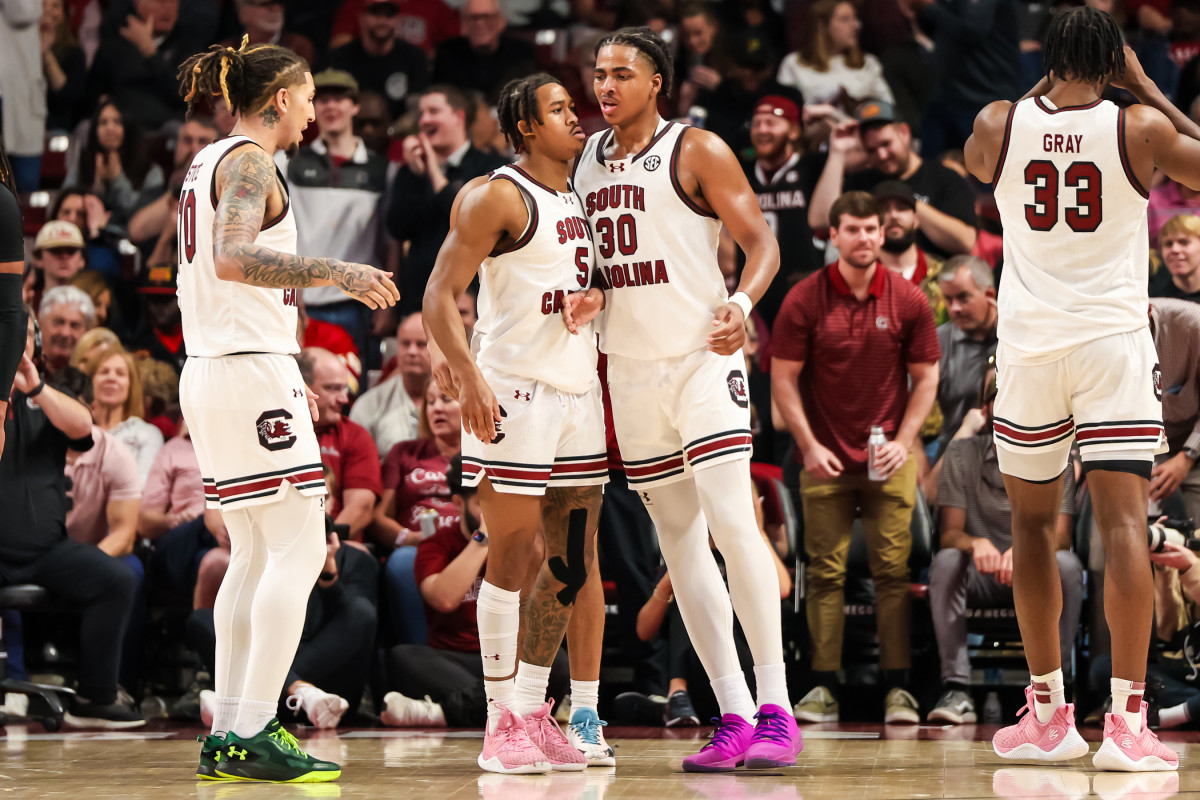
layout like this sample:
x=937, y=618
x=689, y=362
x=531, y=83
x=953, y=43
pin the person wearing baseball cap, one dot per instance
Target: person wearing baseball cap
x=59, y=247
x=945, y=202
x=899, y=252
x=379, y=59
x=161, y=332
x=783, y=179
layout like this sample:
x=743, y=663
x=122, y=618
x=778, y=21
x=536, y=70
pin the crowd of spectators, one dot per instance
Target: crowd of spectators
x=849, y=117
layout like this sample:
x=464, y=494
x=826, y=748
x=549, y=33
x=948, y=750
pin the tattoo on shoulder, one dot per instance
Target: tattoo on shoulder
x=269, y=116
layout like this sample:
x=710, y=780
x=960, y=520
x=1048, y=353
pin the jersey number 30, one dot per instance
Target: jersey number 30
x=187, y=225
x=1044, y=177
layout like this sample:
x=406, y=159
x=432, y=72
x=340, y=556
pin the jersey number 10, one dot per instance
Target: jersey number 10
x=1082, y=176
x=187, y=225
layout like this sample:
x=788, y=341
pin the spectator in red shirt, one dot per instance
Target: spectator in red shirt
x=447, y=671
x=848, y=340
x=415, y=489
x=347, y=450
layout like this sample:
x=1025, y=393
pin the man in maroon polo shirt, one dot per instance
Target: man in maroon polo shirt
x=847, y=341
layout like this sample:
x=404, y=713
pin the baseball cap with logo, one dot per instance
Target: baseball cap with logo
x=874, y=111
x=158, y=280
x=56, y=234
x=778, y=106
x=895, y=190
x=336, y=80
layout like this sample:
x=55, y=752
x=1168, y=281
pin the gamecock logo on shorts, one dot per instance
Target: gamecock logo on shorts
x=275, y=430
x=737, y=389
x=1157, y=376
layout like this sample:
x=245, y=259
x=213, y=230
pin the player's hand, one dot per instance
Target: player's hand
x=987, y=557
x=820, y=462
x=312, y=396
x=1175, y=557
x=1003, y=575
x=890, y=457
x=1135, y=76
x=443, y=376
x=1166, y=477
x=370, y=286
x=478, y=407
x=730, y=334
x=844, y=137
x=580, y=308
x=27, y=378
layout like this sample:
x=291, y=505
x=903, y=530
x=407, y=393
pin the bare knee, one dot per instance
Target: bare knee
x=213, y=567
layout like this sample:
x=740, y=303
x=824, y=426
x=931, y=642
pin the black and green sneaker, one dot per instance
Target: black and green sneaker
x=212, y=751
x=272, y=755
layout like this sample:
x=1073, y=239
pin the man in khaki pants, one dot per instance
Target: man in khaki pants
x=848, y=342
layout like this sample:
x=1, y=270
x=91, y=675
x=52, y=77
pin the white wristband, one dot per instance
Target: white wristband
x=743, y=302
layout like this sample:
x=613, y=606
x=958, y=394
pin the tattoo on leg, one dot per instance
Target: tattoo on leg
x=269, y=116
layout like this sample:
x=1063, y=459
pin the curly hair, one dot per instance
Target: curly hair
x=246, y=77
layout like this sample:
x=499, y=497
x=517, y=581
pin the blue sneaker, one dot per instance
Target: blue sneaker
x=585, y=735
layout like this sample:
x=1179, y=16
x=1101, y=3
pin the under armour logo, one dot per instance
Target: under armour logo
x=495, y=657
x=645, y=496
x=1053, y=734
x=518, y=393
x=1127, y=743
x=297, y=393
x=217, y=756
x=240, y=754
x=617, y=167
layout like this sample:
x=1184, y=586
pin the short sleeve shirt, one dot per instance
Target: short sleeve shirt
x=106, y=472
x=971, y=480
x=416, y=470
x=174, y=485
x=349, y=453
x=457, y=630
x=941, y=187
x=855, y=354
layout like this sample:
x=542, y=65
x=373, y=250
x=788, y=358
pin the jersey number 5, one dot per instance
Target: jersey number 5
x=1083, y=177
x=187, y=225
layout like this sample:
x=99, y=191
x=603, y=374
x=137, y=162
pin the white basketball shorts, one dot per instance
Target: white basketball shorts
x=1105, y=394
x=674, y=415
x=546, y=437
x=249, y=421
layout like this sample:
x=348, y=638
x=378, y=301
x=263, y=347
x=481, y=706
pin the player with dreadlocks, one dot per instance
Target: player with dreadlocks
x=245, y=401
x=1076, y=359
x=656, y=195
x=12, y=266
x=533, y=425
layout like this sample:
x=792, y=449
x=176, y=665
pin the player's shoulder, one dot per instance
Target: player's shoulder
x=699, y=143
x=993, y=118
x=1147, y=123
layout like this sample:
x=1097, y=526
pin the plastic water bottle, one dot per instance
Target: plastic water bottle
x=427, y=517
x=991, y=709
x=876, y=441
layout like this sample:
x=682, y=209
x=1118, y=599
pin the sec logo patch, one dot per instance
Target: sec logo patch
x=652, y=163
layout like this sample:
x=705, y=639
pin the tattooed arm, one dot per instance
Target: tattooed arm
x=245, y=181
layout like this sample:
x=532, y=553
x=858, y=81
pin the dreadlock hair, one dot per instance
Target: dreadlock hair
x=519, y=103
x=246, y=77
x=648, y=43
x=1084, y=44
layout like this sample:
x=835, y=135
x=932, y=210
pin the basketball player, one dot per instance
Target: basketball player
x=245, y=402
x=656, y=194
x=13, y=325
x=1076, y=357
x=533, y=425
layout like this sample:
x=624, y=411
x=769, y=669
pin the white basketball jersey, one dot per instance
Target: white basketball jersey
x=522, y=288
x=222, y=317
x=1076, y=249
x=656, y=249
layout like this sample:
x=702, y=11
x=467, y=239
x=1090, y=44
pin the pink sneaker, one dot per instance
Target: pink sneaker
x=726, y=749
x=1122, y=751
x=549, y=738
x=1030, y=740
x=508, y=748
x=777, y=740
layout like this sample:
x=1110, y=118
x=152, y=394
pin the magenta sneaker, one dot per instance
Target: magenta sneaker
x=726, y=749
x=508, y=749
x=1030, y=740
x=776, y=741
x=1123, y=751
x=549, y=738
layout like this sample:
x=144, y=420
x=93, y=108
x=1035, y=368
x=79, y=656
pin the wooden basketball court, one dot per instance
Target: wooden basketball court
x=845, y=761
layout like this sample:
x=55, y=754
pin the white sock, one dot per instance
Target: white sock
x=733, y=696
x=1126, y=695
x=1174, y=717
x=497, y=613
x=771, y=682
x=532, y=681
x=225, y=714
x=253, y=716
x=585, y=694
x=1048, y=694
